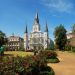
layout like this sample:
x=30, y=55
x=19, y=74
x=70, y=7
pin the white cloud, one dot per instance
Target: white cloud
x=59, y=5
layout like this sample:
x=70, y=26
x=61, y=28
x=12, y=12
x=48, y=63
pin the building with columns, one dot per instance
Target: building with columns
x=37, y=39
x=15, y=43
x=70, y=35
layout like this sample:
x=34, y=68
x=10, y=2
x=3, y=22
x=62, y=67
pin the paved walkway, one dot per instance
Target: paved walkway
x=66, y=66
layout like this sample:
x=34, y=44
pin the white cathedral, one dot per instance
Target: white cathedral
x=37, y=39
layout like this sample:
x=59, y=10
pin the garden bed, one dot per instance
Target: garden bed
x=29, y=65
x=51, y=56
x=26, y=63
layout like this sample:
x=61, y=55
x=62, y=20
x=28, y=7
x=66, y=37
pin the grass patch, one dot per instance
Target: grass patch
x=18, y=53
x=53, y=60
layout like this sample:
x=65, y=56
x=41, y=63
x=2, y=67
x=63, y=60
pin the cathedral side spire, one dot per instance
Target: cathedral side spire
x=46, y=37
x=46, y=28
x=26, y=31
x=26, y=39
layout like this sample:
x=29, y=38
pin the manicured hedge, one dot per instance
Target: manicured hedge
x=51, y=56
x=56, y=60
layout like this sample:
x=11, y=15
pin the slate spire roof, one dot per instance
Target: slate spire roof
x=36, y=18
x=26, y=31
x=46, y=28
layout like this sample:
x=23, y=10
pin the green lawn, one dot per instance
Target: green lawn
x=18, y=53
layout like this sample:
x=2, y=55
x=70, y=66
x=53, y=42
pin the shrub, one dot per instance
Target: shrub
x=47, y=71
x=6, y=66
x=51, y=55
x=30, y=65
x=68, y=47
x=48, y=54
x=73, y=49
x=53, y=60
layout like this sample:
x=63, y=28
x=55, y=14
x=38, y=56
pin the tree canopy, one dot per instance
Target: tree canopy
x=3, y=39
x=60, y=37
x=73, y=28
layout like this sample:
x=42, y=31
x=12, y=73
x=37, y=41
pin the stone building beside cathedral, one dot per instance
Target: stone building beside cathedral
x=37, y=39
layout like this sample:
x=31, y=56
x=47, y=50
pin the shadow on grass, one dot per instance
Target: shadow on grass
x=6, y=55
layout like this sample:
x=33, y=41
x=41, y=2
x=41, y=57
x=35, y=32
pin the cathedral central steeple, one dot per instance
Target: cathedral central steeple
x=36, y=26
x=36, y=19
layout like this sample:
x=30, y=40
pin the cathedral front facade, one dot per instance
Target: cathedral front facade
x=37, y=39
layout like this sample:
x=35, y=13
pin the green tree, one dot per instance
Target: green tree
x=60, y=37
x=73, y=28
x=51, y=46
x=3, y=39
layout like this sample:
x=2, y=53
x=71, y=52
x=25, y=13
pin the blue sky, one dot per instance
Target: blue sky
x=15, y=14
